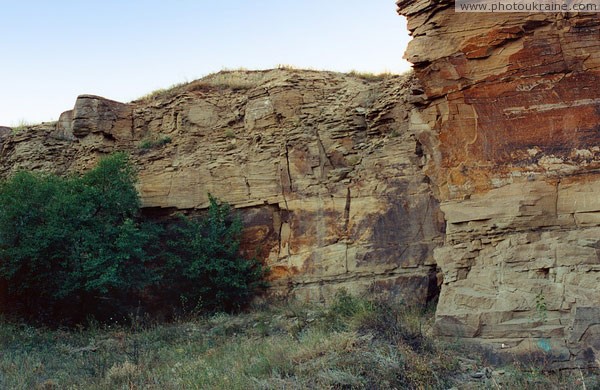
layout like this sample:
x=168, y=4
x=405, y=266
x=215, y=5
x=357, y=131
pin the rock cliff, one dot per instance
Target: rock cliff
x=484, y=164
x=511, y=140
x=322, y=166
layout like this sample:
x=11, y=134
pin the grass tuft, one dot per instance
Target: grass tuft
x=370, y=76
x=162, y=93
x=21, y=126
x=152, y=143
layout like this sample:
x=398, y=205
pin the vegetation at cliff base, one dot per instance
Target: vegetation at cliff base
x=352, y=343
x=76, y=247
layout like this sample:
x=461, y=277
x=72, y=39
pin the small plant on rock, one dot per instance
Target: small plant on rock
x=541, y=308
x=150, y=143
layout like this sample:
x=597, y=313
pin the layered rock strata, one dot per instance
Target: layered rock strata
x=322, y=166
x=512, y=142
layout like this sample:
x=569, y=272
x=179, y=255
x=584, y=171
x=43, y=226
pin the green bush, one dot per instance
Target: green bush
x=201, y=266
x=67, y=243
x=73, y=247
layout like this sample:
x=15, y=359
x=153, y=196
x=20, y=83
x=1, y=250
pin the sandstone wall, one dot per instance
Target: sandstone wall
x=511, y=137
x=486, y=165
x=322, y=165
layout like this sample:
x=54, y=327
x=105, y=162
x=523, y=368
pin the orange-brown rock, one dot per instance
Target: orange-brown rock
x=322, y=166
x=511, y=136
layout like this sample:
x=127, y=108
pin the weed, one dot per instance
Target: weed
x=151, y=143
x=541, y=308
x=21, y=126
x=398, y=325
x=346, y=310
x=121, y=374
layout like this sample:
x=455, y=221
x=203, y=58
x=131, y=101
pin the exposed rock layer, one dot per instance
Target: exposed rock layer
x=510, y=131
x=322, y=165
x=334, y=174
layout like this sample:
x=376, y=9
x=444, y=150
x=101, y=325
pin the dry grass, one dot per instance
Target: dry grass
x=241, y=79
x=21, y=126
x=369, y=76
x=354, y=343
x=162, y=93
x=237, y=80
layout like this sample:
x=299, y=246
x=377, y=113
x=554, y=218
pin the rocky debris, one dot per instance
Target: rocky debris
x=321, y=164
x=509, y=132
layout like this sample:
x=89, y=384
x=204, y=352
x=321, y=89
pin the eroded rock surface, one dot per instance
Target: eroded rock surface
x=511, y=136
x=486, y=166
x=322, y=165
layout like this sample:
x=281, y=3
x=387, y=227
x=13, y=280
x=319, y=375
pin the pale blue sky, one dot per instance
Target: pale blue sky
x=53, y=51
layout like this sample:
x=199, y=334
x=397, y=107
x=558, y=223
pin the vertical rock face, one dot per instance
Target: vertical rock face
x=511, y=136
x=322, y=166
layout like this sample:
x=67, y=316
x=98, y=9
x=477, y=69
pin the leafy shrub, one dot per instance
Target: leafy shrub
x=67, y=243
x=75, y=246
x=201, y=266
